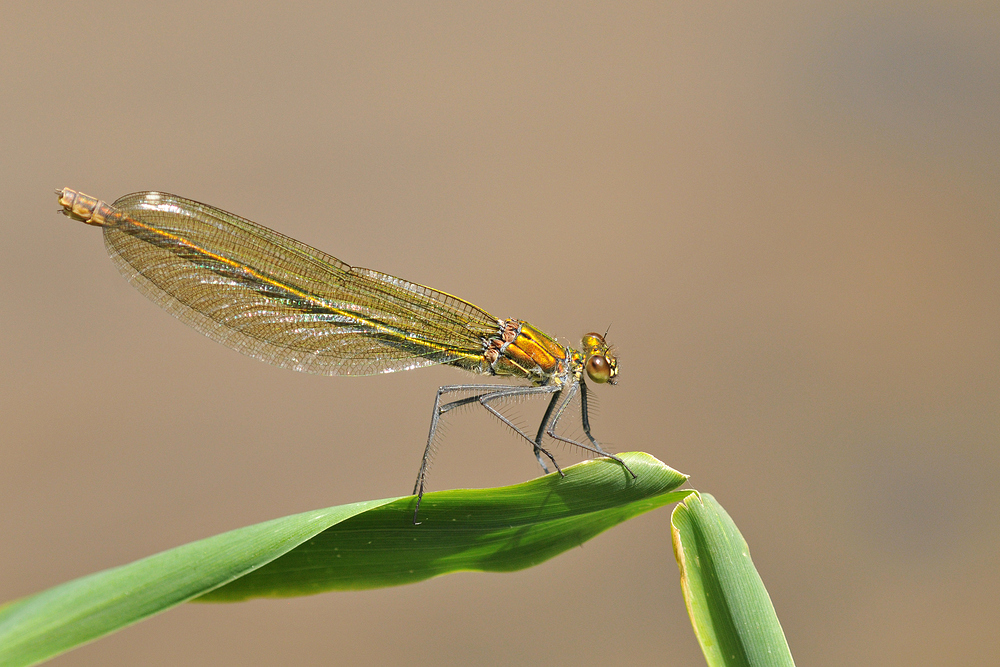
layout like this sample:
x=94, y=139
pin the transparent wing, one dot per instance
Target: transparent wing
x=281, y=301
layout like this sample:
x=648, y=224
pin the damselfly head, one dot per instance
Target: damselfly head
x=601, y=365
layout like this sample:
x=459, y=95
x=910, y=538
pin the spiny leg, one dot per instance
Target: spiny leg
x=585, y=416
x=596, y=448
x=541, y=429
x=585, y=419
x=418, y=487
x=526, y=391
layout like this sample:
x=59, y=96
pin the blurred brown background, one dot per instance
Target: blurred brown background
x=788, y=214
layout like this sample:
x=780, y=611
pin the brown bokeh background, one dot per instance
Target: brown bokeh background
x=788, y=213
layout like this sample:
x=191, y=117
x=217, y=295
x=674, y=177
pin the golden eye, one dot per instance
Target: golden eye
x=593, y=341
x=598, y=368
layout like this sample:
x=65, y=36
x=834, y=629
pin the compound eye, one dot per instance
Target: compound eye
x=598, y=368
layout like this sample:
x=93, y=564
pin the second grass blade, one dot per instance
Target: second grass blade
x=730, y=610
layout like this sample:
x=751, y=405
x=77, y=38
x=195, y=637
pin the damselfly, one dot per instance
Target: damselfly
x=271, y=297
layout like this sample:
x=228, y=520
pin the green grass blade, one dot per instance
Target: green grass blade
x=730, y=610
x=496, y=530
x=362, y=545
x=53, y=621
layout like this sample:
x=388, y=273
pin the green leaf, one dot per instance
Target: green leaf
x=362, y=545
x=730, y=610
